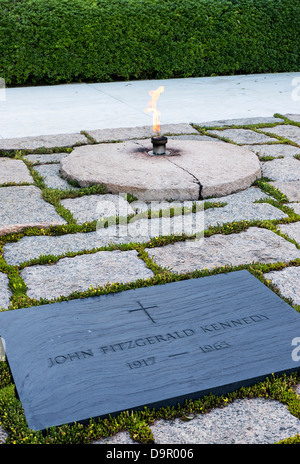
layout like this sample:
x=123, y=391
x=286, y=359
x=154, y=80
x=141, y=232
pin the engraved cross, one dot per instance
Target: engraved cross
x=145, y=310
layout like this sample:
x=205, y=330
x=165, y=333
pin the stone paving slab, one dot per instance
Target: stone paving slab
x=287, y=169
x=45, y=159
x=238, y=212
x=240, y=122
x=5, y=292
x=275, y=150
x=290, y=188
x=204, y=138
x=142, y=206
x=93, y=207
x=120, y=438
x=14, y=171
x=139, y=231
x=293, y=117
x=79, y=273
x=29, y=248
x=287, y=131
x=252, y=245
x=52, y=178
x=245, y=196
x=43, y=141
x=239, y=207
x=23, y=206
x=295, y=207
x=32, y=247
x=3, y=435
x=242, y=136
x=253, y=421
x=128, y=133
x=287, y=280
x=297, y=389
x=292, y=230
x=242, y=207
x=246, y=421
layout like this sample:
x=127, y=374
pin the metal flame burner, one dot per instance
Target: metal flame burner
x=159, y=146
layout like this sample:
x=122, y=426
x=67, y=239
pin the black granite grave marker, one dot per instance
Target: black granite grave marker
x=153, y=346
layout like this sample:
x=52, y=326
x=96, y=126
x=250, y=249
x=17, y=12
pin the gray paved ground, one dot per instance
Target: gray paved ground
x=247, y=421
x=275, y=240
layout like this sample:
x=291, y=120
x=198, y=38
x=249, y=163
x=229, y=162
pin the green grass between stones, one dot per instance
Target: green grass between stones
x=138, y=423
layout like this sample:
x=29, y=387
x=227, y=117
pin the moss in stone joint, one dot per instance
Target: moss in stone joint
x=269, y=158
x=20, y=153
x=287, y=121
x=161, y=276
x=258, y=128
x=237, y=126
x=264, y=184
x=14, y=184
x=138, y=423
x=90, y=139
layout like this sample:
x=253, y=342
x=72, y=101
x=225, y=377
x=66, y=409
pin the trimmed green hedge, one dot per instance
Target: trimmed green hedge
x=57, y=41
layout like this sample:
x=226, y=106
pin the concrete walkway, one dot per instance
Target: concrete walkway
x=72, y=108
x=28, y=113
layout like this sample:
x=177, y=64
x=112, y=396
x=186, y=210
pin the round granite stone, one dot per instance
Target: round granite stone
x=193, y=170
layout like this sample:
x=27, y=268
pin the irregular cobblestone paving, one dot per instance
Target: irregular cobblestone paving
x=271, y=235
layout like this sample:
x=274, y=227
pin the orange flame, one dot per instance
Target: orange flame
x=151, y=108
